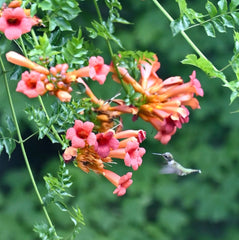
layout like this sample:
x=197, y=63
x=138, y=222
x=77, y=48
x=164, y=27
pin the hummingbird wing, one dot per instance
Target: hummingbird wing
x=167, y=169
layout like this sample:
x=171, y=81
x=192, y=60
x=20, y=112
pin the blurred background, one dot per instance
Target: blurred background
x=199, y=207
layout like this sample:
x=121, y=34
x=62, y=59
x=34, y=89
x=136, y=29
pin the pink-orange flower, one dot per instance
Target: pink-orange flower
x=97, y=69
x=31, y=84
x=81, y=133
x=162, y=102
x=133, y=155
x=14, y=23
x=122, y=183
x=105, y=142
x=93, y=155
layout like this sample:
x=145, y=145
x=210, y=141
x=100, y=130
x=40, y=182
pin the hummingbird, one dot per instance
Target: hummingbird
x=174, y=167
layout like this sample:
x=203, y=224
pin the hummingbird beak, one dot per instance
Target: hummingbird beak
x=160, y=154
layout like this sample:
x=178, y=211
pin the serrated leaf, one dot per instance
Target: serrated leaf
x=9, y=145
x=219, y=25
x=209, y=29
x=227, y=21
x=182, y=6
x=61, y=206
x=45, y=5
x=222, y=4
x=233, y=5
x=235, y=16
x=10, y=125
x=211, y=9
x=233, y=96
x=204, y=65
x=179, y=25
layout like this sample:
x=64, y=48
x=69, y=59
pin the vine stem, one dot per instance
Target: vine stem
x=110, y=49
x=39, y=97
x=21, y=142
x=190, y=42
x=48, y=118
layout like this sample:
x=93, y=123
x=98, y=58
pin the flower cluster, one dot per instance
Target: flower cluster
x=91, y=151
x=159, y=102
x=57, y=81
x=15, y=21
x=162, y=103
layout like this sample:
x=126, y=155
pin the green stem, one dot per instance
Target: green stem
x=22, y=144
x=190, y=42
x=34, y=37
x=110, y=50
x=39, y=97
x=23, y=47
x=52, y=127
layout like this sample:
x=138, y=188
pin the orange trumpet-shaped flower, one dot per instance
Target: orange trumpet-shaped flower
x=20, y=60
x=162, y=102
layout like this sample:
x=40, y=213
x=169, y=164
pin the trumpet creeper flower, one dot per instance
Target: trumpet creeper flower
x=14, y=23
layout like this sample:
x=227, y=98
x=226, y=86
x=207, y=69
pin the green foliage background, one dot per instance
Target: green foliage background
x=165, y=207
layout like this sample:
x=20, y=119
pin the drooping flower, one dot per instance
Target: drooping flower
x=133, y=155
x=122, y=183
x=14, y=23
x=31, y=84
x=81, y=133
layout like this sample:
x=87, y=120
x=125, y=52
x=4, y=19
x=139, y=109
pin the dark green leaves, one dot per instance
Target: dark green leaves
x=58, y=189
x=105, y=30
x=59, y=14
x=203, y=64
x=43, y=49
x=211, y=9
x=45, y=232
x=6, y=137
x=218, y=18
x=74, y=52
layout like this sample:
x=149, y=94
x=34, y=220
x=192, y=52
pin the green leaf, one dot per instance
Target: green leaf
x=235, y=16
x=4, y=45
x=212, y=10
x=222, y=6
x=204, y=65
x=61, y=206
x=227, y=21
x=45, y=232
x=210, y=31
x=10, y=125
x=233, y=5
x=182, y=6
x=219, y=25
x=233, y=96
x=45, y=5
x=60, y=22
x=179, y=25
x=6, y=142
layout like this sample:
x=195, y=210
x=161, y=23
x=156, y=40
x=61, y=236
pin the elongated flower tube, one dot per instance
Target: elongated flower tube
x=20, y=60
